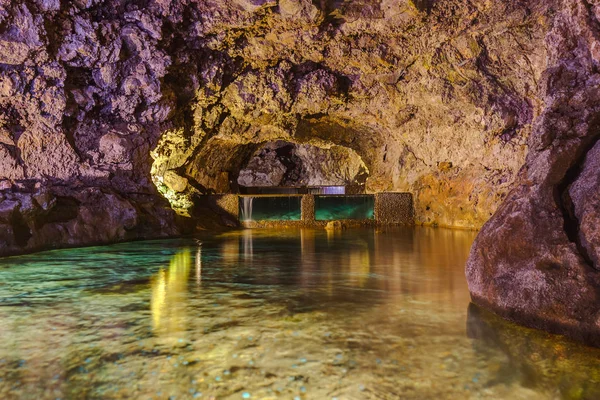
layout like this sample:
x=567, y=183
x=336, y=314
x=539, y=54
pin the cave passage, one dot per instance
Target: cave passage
x=282, y=167
x=253, y=177
x=284, y=170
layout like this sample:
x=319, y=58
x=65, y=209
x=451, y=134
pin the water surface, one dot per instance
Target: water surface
x=289, y=314
x=332, y=208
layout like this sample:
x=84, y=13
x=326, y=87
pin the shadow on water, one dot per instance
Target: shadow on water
x=535, y=359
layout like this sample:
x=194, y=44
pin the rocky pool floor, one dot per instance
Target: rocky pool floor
x=287, y=314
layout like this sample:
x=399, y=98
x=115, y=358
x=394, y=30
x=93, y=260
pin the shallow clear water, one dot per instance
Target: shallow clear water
x=358, y=314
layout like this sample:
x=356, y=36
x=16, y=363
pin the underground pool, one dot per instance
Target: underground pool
x=278, y=314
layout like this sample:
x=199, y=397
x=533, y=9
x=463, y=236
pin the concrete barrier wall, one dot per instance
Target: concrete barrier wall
x=390, y=209
x=228, y=203
x=220, y=208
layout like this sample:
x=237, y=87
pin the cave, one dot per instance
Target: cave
x=299, y=199
x=283, y=166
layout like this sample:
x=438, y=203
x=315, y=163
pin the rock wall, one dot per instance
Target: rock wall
x=536, y=260
x=81, y=106
x=124, y=97
x=437, y=98
x=38, y=218
x=284, y=164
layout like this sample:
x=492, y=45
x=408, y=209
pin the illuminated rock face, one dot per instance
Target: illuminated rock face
x=437, y=98
x=536, y=261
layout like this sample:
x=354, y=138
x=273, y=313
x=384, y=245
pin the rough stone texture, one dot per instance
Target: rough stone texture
x=308, y=209
x=536, y=260
x=264, y=169
x=229, y=204
x=216, y=211
x=394, y=209
x=584, y=195
x=289, y=165
x=81, y=106
x=39, y=218
x=436, y=97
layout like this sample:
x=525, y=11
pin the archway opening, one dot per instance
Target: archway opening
x=225, y=166
x=286, y=167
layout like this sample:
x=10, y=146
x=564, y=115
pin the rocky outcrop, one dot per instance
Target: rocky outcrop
x=284, y=164
x=536, y=260
x=81, y=107
x=36, y=218
x=436, y=98
x=144, y=97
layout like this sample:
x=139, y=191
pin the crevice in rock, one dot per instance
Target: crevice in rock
x=343, y=82
x=332, y=17
x=423, y=5
x=69, y=126
x=65, y=210
x=293, y=165
x=565, y=203
x=514, y=110
x=21, y=230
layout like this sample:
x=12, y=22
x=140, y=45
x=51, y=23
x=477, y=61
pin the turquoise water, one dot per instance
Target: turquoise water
x=288, y=314
x=271, y=208
x=328, y=208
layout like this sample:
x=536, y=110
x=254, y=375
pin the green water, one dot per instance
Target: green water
x=329, y=208
x=358, y=314
x=270, y=208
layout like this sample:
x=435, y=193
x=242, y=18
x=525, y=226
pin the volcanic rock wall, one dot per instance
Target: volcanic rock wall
x=283, y=164
x=437, y=100
x=104, y=101
x=536, y=260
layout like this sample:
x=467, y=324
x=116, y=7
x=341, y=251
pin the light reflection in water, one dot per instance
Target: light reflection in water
x=248, y=248
x=169, y=295
x=358, y=314
x=199, y=265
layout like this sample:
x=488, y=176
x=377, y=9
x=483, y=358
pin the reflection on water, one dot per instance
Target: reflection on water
x=306, y=314
x=537, y=360
x=169, y=295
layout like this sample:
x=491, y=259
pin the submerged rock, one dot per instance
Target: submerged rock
x=540, y=359
x=334, y=226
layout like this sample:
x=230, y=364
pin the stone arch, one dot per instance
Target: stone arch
x=183, y=169
x=287, y=164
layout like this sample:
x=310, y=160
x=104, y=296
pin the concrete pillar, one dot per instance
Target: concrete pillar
x=308, y=209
